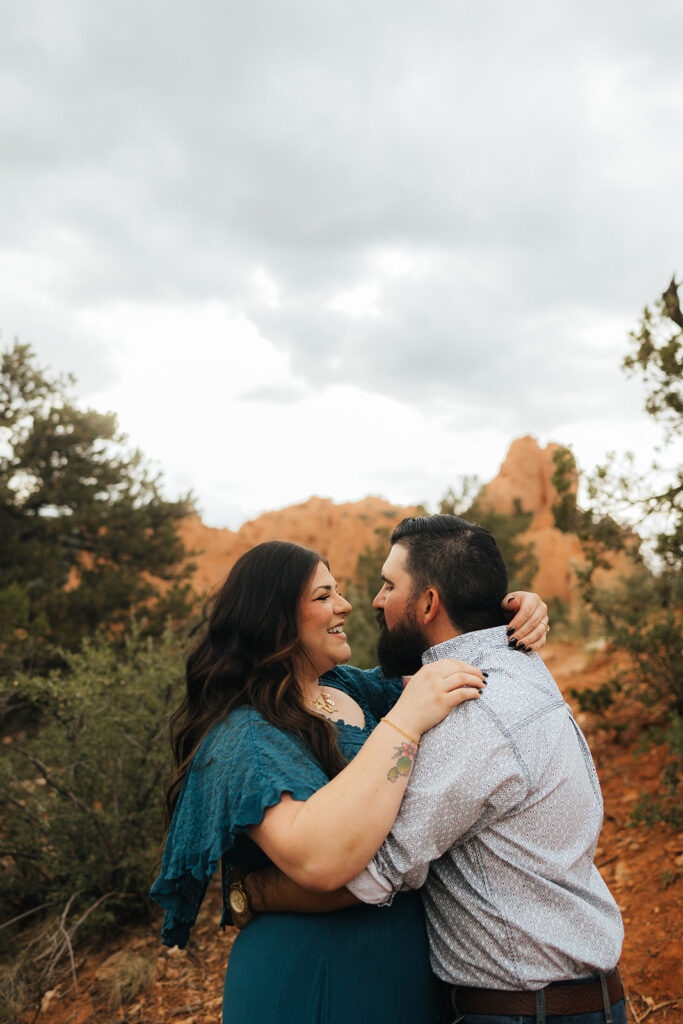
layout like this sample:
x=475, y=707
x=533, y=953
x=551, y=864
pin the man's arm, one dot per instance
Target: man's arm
x=466, y=773
x=270, y=891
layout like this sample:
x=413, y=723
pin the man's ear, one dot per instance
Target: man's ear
x=430, y=606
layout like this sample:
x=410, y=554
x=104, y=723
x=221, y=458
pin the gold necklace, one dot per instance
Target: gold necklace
x=323, y=703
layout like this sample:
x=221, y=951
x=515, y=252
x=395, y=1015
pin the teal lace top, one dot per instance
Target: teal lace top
x=243, y=766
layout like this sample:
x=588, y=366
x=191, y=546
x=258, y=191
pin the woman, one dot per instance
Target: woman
x=274, y=768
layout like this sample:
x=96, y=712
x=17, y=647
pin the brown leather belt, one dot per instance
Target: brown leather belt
x=561, y=999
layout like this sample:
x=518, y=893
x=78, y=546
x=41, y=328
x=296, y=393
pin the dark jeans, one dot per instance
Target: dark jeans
x=617, y=1012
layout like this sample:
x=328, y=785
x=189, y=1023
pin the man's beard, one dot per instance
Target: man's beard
x=400, y=650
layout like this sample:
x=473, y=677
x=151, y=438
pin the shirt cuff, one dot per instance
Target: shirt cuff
x=371, y=886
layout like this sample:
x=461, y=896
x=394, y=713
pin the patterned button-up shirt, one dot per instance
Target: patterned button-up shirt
x=499, y=826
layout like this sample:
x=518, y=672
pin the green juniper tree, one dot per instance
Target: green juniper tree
x=85, y=533
x=641, y=516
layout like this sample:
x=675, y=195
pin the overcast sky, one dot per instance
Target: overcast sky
x=341, y=248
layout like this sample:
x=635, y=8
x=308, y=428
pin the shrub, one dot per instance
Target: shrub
x=81, y=791
x=640, y=517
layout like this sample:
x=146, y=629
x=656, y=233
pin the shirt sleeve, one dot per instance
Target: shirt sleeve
x=244, y=766
x=370, y=886
x=467, y=773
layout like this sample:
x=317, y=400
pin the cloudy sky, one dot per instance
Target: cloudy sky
x=341, y=247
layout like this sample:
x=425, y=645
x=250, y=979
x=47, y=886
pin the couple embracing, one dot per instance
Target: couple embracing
x=420, y=852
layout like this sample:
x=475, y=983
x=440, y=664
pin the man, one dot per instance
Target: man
x=503, y=809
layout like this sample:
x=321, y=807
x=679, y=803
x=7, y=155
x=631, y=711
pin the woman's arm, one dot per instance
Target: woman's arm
x=528, y=620
x=324, y=842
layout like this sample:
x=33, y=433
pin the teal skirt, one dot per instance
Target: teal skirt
x=361, y=964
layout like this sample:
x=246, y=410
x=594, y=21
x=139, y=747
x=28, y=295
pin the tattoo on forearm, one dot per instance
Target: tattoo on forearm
x=404, y=757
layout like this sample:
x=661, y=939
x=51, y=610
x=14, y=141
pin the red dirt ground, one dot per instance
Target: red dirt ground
x=643, y=868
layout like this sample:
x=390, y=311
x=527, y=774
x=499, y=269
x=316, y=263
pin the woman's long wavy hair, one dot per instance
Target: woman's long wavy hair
x=247, y=655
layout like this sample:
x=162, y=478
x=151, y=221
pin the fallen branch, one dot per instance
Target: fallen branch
x=189, y=1008
x=60, y=942
x=659, y=1006
x=69, y=947
x=633, y=1009
x=651, y=1009
x=26, y=913
x=59, y=946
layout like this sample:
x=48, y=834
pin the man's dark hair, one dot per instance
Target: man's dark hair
x=462, y=562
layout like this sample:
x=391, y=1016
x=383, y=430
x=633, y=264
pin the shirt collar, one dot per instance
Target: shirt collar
x=468, y=645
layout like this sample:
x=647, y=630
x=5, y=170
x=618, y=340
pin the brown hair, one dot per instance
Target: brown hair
x=246, y=656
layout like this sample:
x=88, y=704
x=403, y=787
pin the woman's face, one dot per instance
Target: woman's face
x=322, y=612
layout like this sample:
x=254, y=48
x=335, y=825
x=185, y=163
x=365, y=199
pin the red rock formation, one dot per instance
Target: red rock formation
x=342, y=532
x=526, y=475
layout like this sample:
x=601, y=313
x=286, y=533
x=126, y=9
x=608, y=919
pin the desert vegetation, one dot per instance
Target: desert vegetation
x=638, y=512
x=97, y=606
x=93, y=583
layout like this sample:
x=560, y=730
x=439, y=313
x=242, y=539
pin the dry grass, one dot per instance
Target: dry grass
x=21, y=981
x=13, y=992
x=122, y=977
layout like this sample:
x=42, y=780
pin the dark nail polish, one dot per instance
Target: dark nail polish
x=484, y=672
x=509, y=631
x=526, y=649
x=512, y=643
x=520, y=645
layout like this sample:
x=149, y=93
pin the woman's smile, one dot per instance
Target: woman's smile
x=322, y=617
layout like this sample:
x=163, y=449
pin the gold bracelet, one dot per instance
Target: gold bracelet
x=402, y=731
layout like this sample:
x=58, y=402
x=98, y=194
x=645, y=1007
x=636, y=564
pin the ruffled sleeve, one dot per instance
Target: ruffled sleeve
x=375, y=692
x=243, y=767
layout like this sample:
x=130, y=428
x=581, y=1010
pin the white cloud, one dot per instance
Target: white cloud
x=266, y=289
x=359, y=303
x=435, y=225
